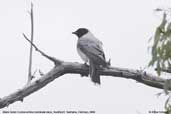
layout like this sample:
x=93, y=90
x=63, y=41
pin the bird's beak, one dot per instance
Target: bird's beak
x=74, y=32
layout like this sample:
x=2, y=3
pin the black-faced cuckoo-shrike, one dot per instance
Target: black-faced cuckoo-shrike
x=90, y=50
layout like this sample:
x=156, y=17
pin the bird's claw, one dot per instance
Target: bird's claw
x=86, y=64
x=84, y=75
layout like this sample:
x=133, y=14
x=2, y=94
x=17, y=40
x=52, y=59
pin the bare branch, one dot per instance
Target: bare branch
x=77, y=68
x=56, y=61
x=62, y=68
x=41, y=73
x=30, y=77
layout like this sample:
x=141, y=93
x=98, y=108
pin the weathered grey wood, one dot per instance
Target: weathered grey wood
x=77, y=68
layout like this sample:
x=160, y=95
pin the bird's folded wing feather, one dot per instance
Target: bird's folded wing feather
x=92, y=49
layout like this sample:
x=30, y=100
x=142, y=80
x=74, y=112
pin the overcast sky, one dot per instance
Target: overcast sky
x=124, y=27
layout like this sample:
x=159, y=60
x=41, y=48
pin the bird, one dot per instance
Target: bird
x=91, y=52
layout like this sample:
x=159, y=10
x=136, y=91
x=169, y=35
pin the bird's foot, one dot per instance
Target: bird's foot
x=86, y=64
x=85, y=75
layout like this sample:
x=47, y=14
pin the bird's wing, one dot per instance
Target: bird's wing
x=93, y=50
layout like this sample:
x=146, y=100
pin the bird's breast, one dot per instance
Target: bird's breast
x=82, y=55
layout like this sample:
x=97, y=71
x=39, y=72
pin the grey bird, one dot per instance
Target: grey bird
x=90, y=50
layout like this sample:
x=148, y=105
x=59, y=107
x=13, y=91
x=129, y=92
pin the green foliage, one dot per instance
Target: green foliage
x=161, y=48
x=161, y=54
x=167, y=106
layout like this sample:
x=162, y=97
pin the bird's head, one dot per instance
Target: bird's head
x=80, y=32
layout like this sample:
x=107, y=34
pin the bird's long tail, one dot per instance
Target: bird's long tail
x=94, y=75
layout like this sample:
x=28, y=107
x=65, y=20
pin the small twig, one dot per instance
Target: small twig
x=33, y=75
x=41, y=73
x=34, y=72
x=56, y=61
x=31, y=42
x=159, y=94
x=30, y=77
x=109, y=62
x=164, y=70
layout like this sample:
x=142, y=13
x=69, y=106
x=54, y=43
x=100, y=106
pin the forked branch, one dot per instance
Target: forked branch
x=61, y=68
x=53, y=59
x=77, y=68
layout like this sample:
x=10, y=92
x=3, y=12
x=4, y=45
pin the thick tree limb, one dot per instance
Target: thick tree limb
x=62, y=68
x=77, y=68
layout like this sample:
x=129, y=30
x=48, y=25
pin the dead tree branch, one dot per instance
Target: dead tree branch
x=62, y=67
x=77, y=68
x=30, y=77
x=54, y=60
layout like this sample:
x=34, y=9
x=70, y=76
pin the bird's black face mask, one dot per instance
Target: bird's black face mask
x=80, y=32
